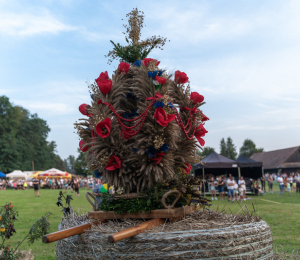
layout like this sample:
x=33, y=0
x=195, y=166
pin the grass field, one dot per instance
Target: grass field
x=282, y=213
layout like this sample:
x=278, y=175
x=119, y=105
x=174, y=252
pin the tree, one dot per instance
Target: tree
x=231, y=149
x=59, y=163
x=23, y=139
x=81, y=165
x=248, y=148
x=69, y=164
x=228, y=149
x=223, y=147
x=206, y=151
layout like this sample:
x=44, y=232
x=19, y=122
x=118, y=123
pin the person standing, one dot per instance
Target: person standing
x=36, y=187
x=242, y=186
x=263, y=184
x=97, y=192
x=76, y=187
x=270, y=183
x=230, y=184
x=297, y=179
x=281, y=184
x=211, y=182
x=290, y=181
x=220, y=184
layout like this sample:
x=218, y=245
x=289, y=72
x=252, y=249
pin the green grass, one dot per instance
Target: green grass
x=284, y=219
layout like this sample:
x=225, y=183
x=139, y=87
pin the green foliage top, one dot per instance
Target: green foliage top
x=136, y=50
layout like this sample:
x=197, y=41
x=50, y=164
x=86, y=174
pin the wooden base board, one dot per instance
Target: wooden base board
x=157, y=213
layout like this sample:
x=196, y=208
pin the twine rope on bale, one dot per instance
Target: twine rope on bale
x=201, y=235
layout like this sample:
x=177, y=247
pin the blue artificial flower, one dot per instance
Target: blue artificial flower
x=164, y=148
x=152, y=74
x=138, y=63
x=126, y=115
x=92, y=96
x=134, y=113
x=130, y=94
x=151, y=151
x=135, y=150
x=159, y=104
x=170, y=104
x=97, y=174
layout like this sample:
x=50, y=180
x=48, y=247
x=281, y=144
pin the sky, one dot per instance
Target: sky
x=242, y=56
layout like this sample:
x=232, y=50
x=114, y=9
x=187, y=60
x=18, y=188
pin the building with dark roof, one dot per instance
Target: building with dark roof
x=283, y=160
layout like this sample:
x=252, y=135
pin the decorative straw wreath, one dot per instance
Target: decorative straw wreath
x=143, y=125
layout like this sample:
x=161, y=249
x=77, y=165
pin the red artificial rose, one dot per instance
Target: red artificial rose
x=105, y=86
x=82, y=109
x=104, y=83
x=162, y=118
x=204, y=118
x=113, y=163
x=200, y=132
x=146, y=61
x=157, y=157
x=103, y=76
x=160, y=80
x=103, y=128
x=82, y=146
x=181, y=77
x=123, y=67
x=188, y=168
x=196, y=98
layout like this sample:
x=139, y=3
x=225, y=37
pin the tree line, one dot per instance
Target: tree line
x=23, y=140
x=229, y=150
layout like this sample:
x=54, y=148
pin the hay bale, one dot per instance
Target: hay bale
x=201, y=235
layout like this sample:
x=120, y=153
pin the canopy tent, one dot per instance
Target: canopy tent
x=54, y=173
x=250, y=168
x=2, y=175
x=36, y=174
x=17, y=174
x=217, y=164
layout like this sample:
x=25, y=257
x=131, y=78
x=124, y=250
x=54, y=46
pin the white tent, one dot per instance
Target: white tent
x=17, y=174
x=28, y=174
x=53, y=172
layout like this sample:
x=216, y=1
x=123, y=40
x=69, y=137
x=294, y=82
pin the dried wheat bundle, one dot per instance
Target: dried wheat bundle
x=143, y=123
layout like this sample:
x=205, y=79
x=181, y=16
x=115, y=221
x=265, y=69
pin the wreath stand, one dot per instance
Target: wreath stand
x=157, y=217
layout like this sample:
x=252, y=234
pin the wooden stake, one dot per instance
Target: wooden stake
x=133, y=231
x=69, y=232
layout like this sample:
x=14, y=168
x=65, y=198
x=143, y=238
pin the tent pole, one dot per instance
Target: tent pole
x=239, y=171
x=203, y=179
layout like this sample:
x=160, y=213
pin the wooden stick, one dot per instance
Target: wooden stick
x=69, y=232
x=133, y=231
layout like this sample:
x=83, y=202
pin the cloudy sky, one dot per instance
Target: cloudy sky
x=243, y=56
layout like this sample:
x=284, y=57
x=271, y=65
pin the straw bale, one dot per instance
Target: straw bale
x=201, y=235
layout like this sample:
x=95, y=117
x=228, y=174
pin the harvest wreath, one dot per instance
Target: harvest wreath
x=140, y=133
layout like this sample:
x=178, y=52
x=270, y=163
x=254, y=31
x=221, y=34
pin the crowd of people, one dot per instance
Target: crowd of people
x=49, y=183
x=236, y=189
